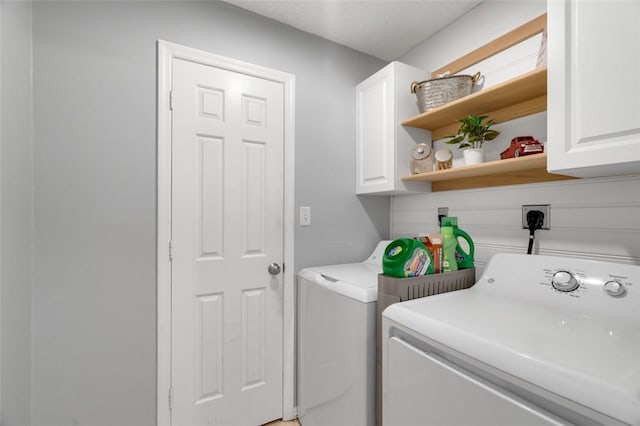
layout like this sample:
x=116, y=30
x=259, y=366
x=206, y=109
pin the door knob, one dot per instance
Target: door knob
x=274, y=269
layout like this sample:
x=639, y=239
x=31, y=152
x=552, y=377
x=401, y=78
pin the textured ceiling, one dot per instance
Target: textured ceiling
x=382, y=28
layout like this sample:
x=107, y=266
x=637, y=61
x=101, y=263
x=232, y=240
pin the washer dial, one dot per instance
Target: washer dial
x=564, y=281
x=614, y=288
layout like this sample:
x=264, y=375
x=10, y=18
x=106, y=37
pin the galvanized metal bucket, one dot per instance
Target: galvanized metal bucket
x=439, y=91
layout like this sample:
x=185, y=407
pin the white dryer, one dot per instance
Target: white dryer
x=537, y=341
x=336, y=342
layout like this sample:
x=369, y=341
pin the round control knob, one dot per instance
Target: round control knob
x=564, y=281
x=614, y=288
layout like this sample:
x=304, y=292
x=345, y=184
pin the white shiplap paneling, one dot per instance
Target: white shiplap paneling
x=590, y=218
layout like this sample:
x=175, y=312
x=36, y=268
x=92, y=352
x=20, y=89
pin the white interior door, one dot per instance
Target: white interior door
x=227, y=228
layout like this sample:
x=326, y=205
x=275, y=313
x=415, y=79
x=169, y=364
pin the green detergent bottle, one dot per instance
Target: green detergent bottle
x=464, y=247
x=449, y=262
x=406, y=257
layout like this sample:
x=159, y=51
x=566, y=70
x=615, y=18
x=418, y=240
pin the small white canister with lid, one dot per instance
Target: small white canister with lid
x=444, y=159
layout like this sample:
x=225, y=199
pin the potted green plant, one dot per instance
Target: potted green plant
x=471, y=136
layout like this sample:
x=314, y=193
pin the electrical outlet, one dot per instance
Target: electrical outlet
x=544, y=208
x=442, y=212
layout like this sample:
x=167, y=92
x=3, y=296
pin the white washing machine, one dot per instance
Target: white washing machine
x=537, y=341
x=336, y=342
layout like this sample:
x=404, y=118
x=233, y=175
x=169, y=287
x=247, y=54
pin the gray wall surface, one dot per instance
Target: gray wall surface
x=94, y=295
x=16, y=201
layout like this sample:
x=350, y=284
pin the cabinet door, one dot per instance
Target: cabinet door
x=375, y=156
x=594, y=87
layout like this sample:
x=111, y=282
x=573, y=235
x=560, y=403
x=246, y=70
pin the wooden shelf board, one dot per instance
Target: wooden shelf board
x=514, y=171
x=523, y=32
x=504, y=97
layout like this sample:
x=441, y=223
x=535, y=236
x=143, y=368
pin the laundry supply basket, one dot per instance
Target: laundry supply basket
x=439, y=91
x=393, y=290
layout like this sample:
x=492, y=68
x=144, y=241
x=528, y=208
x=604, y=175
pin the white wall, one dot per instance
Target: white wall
x=94, y=299
x=590, y=218
x=15, y=219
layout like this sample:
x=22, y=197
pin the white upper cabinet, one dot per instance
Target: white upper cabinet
x=593, y=87
x=382, y=145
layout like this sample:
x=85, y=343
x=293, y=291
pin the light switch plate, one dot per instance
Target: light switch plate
x=305, y=216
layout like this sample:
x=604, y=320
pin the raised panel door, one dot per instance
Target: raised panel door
x=227, y=227
x=383, y=145
x=375, y=159
x=594, y=89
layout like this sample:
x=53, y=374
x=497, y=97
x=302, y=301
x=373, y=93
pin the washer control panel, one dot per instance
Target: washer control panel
x=576, y=282
x=562, y=283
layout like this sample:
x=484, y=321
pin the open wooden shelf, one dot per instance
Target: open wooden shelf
x=518, y=97
x=511, y=99
x=513, y=171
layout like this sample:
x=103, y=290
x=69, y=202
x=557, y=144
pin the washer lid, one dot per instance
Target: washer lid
x=584, y=357
x=358, y=281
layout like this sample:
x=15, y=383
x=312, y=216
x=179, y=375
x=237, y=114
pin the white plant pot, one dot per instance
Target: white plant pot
x=473, y=156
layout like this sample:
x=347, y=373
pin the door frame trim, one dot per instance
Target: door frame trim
x=166, y=52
